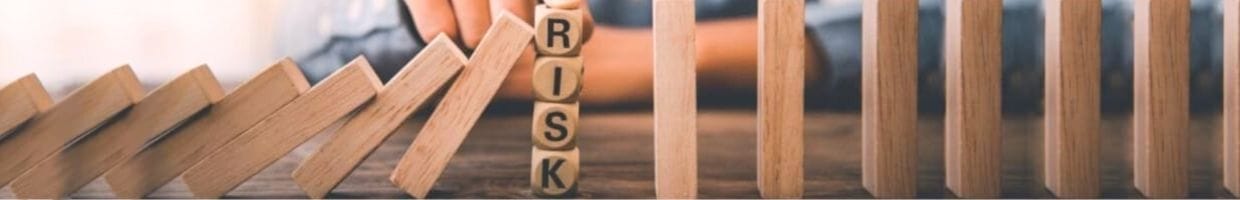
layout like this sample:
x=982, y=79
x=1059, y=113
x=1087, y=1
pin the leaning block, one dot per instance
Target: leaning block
x=554, y=173
x=68, y=170
x=558, y=32
x=84, y=109
x=557, y=79
x=20, y=101
x=555, y=125
x=1071, y=142
x=675, y=99
x=1160, y=97
x=889, y=98
x=781, y=98
x=1231, y=108
x=289, y=127
x=407, y=92
x=461, y=106
x=973, y=54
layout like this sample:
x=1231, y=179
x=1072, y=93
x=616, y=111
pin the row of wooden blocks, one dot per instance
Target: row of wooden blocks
x=189, y=128
x=555, y=162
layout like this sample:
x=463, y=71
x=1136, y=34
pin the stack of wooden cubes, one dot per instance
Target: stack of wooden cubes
x=557, y=83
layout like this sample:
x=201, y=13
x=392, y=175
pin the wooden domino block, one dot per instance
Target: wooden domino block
x=22, y=100
x=461, y=106
x=1160, y=99
x=974, y=54
x=79, y=113
x=889, y=98
x=167, y=157
x=68, y=170
x=406, y=93
x=1231, y=85
x=555, y=125
x=781, y=96
x=554, y=173
x=235, y=162
x=675, y=100
x=1071, y=142
x=558, y=31
x=557, y=79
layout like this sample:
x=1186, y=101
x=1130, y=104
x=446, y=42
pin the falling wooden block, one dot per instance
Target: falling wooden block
x=675, y=100
x=555, y=125
x=1071, y=147
x=558, y=31
x=1231, y=85
x=68, y=170
x=974, y=58
x=781, y=96
x=889, y=98
x=252, y=151
x=461, y=106
x=22, y=100
x=79, y=113
x=406, y=93
x=557, y=79
x=165, y=158
x=553, y=173
x=1160, y=100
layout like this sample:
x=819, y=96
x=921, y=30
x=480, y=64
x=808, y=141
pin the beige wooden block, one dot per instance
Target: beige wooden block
x=406, y=93
x=889, y=98
x=974, y=58
x=675, y=100
x=461, y=106
x=555, y=125
x=557, y=79
x=781, y=96
x=1160, y=99
x=558, y=31
x=76, y=115
x=1231, y=108
x=553, y=173
x=72, y=168
x=165, y=159
x=1071, y=142
x=255, y=149
x=22, y=100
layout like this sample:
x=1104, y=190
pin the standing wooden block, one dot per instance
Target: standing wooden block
x=675, y=100
x=554, y=173
x=167, y=157
x=558, y=31
x=84, y=109
x=252, y=151
x=22, y=100
x=974, y=55
x=425, y=75
x=555, y=125
x=1160, y=100
x=68, y=170
x=889, y=98
x=1071, y=148
x=557, y=79
x=461, y=106
x=1231, y=85
x=781, y=96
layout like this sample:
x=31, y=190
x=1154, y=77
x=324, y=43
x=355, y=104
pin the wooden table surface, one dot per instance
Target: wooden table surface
x=617, y=156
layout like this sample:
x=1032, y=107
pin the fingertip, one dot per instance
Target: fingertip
x=563, y=4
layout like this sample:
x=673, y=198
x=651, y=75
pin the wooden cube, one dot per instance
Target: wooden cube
x=558, y=32
x=557, y=79
x=554, y=173
x=555, y=125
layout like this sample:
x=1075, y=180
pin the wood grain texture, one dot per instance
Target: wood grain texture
x=781, y=98
x=1160, y=98
x=557, y=79
x=1231, y=86
x=558, y=31
x=461, y=106
x=974, y=57
x=554, y=173
x=1071, y=142
x=166, y=158
x=66, y=171
x=889, y=98
x=405, y=94
x=260, y=146
x=554, y=125
x=675, y=99
x=83, y=110
x=22, y=100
